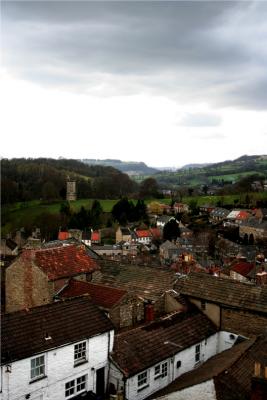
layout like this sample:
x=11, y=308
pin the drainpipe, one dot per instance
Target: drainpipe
x=108, y=363
x=172, y=361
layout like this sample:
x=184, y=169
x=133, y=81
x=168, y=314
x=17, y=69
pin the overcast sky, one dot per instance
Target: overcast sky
x=167, y=83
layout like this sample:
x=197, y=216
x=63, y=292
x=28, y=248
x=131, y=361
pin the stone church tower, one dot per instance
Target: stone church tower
x=71, y=190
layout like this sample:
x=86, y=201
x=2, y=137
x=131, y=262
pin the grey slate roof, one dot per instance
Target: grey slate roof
x=147, y=282
x=167, y=245
x=224, y=291
x=219, y=212
x=255, y=223
x=23, y=332
x=207, y=371
x=71, y=241
x=141, y=348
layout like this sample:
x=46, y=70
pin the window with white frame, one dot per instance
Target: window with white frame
x=164, y=369
x=157, y=371
x=80, y=352
x=142, y=380
x=161, y=370
x=37, y=367
x=70, y=388
x=75, y=386
x=197, y=353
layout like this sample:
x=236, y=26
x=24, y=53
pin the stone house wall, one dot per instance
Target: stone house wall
x=26, y=286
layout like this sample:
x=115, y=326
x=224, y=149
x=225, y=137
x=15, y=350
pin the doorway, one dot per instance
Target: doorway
x=100, y=381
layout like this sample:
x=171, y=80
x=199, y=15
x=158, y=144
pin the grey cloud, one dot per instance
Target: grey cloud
x=255, y=89
x=179, y=49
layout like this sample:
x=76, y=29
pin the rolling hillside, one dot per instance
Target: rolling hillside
x=45, y=178
x=130, y=168
x=223, y=172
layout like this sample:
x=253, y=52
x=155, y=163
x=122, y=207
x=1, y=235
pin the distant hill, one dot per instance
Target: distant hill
x=189, y=166
x=128, y=167
x=221, y=173
x=45, y=178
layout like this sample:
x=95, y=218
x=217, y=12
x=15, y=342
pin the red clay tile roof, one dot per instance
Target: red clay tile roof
x=61, y=262
x=68, y=321
x=143, y=233
x=243, y=268
x=63, y=235
x=141, y=348
x=155, y=232
x=95, y=237
x=243, y=215
x=103, y=296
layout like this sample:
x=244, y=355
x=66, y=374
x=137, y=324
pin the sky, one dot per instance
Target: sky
x=167, y=83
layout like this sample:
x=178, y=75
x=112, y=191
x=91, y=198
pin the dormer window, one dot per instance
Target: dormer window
x=80, y=352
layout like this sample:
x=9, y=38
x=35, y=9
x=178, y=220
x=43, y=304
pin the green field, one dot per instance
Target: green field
x=233, y=177
x=195, y=179
x=19, y=214
x=228, y=171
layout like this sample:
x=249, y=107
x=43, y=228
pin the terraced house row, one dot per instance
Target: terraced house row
x=74, y=327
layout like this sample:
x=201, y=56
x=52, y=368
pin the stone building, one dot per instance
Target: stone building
x=71, y=190
x=36, y=276
x=123, y=309
x=233, y=306
x=254, y=229
x=123, y=234
x=149, y=284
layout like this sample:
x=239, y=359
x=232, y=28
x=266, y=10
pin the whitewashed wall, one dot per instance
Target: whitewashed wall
x=59, y=364
x=238, y=277
x=116, y=378
x=208, y=348
x=226, y=340
x=203, y=391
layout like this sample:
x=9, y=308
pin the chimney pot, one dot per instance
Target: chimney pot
x=257, y=369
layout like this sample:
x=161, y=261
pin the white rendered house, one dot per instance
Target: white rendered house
x=57, y=351
x=149, y=358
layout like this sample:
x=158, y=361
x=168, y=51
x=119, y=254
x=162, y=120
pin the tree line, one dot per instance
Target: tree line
x=45, y=179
